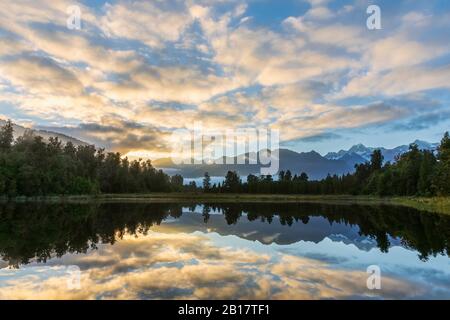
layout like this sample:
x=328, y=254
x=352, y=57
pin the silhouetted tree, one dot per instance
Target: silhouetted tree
x=232, y=182
x=177, y=182
x=206, y=183
x=442, y=175
x=6, y=136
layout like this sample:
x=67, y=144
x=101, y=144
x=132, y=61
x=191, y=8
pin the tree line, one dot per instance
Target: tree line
x=414, y=173
x=31, y=166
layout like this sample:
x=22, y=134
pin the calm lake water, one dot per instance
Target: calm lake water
x=221, y=251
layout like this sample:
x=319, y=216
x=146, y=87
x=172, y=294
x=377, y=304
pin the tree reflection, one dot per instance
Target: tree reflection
x=41, y=231
x=425, y=232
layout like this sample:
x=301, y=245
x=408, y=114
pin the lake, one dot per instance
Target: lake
x=221, y=251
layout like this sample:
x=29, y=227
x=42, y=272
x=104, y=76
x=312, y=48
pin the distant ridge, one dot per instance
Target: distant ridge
x=20, y=130
x=389, y=154
x=312, y=163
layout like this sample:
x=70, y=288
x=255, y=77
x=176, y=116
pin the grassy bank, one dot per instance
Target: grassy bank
x=435, y=204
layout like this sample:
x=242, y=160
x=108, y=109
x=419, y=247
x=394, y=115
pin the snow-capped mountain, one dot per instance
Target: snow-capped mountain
x=364, y=152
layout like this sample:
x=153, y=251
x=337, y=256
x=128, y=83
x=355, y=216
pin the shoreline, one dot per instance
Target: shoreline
x=439, y=205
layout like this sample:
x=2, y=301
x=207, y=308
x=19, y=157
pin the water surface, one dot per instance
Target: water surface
x=221, y=251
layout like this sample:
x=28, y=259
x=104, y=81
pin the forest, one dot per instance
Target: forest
x=414, y=173
x=31, y=166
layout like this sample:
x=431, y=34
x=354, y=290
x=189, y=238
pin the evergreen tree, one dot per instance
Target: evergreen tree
x=442, y=175
x=177, y=182
x=427, y=167
x=6, y=136
x=232, y=182
x=207, y=182
x=376, y=161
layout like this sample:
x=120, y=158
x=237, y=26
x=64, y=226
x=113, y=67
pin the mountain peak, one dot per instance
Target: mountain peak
x=365, y=152
x=425, y=145
x=357, y=148
x=312, y=154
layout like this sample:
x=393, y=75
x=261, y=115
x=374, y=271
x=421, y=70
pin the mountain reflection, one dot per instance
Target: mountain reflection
x=42, y=231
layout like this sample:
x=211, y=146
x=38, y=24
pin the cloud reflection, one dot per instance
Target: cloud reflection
x=170, y=265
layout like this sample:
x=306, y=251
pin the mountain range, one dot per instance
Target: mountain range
x=361, y=151
x=314, y=164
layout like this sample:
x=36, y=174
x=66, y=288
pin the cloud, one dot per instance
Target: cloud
x=321, y=137
x=423, y=121
x=216, y=62
x=397, y=52
x=10, y=46
x=168, y=84
x=121, y=135
x=76, y=48
x=340, y=117
x=40, y=75
x=153, y=23
x=399, y=81
x=49, y=90
x=296, y=97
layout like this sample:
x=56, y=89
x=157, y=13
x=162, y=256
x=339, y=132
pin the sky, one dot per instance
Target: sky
x=138, y=70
